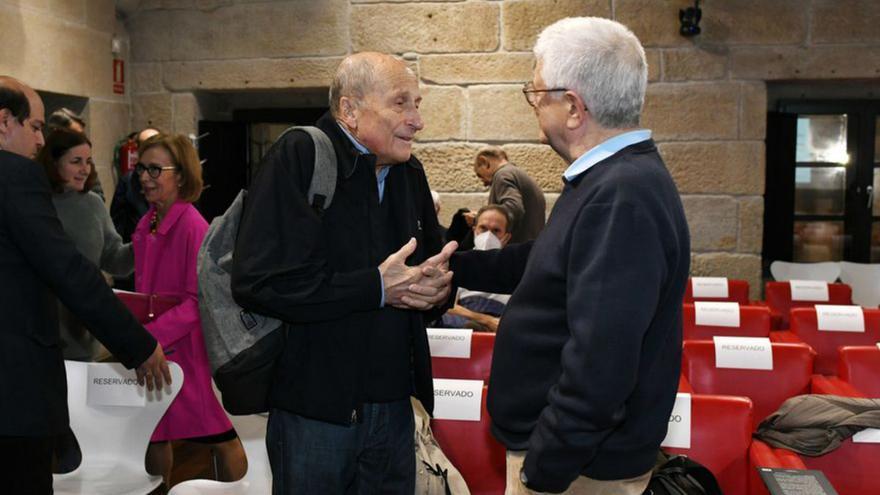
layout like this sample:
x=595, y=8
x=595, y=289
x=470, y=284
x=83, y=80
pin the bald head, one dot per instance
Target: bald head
x=21, y=118
x=363, y=73
x=376, y=98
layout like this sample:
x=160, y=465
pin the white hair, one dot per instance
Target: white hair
x=600, y=60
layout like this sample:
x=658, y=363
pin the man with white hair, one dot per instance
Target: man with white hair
x=586, y=363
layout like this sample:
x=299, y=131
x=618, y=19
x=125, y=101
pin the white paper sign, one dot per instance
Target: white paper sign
x=709, y=286
x=868, y=435
x=833, y=318
x=112, y=386
x=450, y=342
x=679, y=433
x=457, y=399
x=809, y=290
x=717, y=314
x=744, y=353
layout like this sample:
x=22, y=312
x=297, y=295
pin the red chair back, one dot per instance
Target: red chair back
x=768, y=389
x=778, y=298
x=805, y=325
x=476, y=367
x=851, y=468
x=737, y=291
x=721, y=432
x=860, y=367
x=472, y=449
x=754, y=321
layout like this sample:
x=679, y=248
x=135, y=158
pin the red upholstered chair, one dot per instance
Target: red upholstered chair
x=860, y=367
x=768, y=389
x=472, y=449
x=477, y=367
x=737, y=291
x=721, y=432
x=754, y=321
x=805, y=328
x=778, y=298
x=852, y=468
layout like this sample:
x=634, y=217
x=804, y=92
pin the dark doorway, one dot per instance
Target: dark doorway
x=823, y=175
x=232, y=149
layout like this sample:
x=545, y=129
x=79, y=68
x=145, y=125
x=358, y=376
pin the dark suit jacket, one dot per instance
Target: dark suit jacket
x=37, y=259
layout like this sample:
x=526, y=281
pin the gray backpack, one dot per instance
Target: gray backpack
x=243, y=346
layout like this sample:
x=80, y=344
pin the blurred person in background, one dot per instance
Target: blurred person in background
x=476, y=309
x=67, y=160
x=65, y=118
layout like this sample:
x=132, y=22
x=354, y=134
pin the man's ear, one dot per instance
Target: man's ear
x=348, y=112
x=576, y=110
x=5, y=120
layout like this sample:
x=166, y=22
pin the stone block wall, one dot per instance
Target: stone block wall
x=64, y=46
x=706, y=102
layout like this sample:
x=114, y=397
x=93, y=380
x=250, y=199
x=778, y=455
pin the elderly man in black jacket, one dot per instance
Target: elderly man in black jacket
x=38, y=259
x=586, y=363
x=340, y=418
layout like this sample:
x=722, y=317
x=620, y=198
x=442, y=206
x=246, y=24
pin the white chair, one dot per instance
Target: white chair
x=865, y=282
x=826, y=271
x=251, y=430
x=113, y=438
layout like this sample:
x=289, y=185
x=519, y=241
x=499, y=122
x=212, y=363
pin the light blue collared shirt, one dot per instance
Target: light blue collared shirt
x=603, y=150
x=380, y=181
x=383, y=172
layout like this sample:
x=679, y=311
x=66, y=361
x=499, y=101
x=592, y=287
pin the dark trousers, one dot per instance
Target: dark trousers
x=26, y=464
x=375, y=455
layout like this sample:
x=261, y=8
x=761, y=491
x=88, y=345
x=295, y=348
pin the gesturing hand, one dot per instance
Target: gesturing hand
x=397, y=276
x=434, y=286
x=154, y=371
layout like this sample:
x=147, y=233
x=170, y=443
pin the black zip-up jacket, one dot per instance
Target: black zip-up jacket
x=320, y=276
x=586, y=363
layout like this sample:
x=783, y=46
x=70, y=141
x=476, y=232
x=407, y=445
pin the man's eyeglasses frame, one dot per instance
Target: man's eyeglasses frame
x=530, y=93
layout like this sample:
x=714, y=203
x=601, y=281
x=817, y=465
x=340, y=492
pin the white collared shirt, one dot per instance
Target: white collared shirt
x=603, y=150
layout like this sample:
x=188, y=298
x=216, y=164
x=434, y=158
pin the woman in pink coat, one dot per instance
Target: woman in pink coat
x=166, y=246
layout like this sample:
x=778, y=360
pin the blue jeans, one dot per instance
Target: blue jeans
x=376, y=455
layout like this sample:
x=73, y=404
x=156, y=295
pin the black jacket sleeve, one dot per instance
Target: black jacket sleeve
x=34, y=227
x=279, y=263
x=496, y=270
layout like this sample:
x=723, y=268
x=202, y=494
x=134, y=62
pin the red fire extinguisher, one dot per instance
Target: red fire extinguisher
x=128, y=157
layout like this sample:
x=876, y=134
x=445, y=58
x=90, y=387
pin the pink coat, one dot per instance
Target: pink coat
x=165, y=263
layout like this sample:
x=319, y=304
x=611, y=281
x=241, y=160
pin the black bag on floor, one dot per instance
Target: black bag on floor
x=680, y=475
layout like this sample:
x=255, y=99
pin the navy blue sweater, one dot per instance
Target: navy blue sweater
x=587, y=357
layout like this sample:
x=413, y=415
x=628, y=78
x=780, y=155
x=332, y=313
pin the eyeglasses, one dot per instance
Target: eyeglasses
x=153, y=171
x=531, y=93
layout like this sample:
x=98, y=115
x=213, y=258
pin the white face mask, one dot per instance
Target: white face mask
x=486, y=241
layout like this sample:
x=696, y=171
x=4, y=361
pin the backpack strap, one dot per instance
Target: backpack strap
x=323, y=183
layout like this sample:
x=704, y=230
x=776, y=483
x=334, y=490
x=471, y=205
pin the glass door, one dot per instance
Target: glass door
x=823, y=168
x=820, y=184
